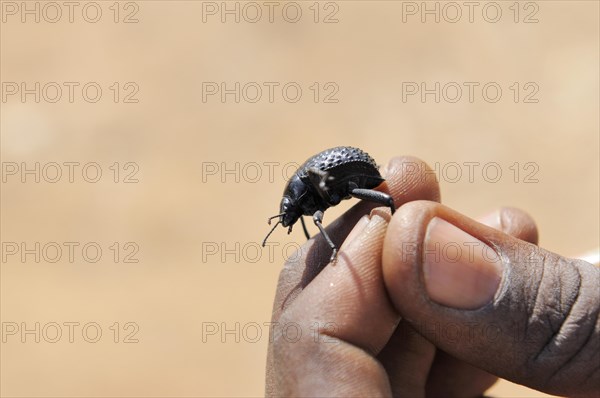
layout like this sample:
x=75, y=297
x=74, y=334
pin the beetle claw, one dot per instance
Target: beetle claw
x=290, y=230
x=333, y=258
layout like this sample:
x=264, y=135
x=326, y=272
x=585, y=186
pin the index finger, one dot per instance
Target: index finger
x=407, y=179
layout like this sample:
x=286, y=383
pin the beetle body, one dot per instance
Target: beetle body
x=343, y=167
x=325, y=180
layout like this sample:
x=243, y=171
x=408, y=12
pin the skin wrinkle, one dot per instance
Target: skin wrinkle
x=577, y=330
x=588, y=339
x=552, y=383
x=541, y=305
x=532, y=368
x=564, y=274
x=564, y=318
x=525, y=292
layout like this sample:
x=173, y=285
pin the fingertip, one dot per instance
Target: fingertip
x=514, y=222
x=520, y=224
x=410, y=178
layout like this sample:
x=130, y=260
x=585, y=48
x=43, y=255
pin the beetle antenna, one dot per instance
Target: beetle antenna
x=270, y=232
x=278, y=215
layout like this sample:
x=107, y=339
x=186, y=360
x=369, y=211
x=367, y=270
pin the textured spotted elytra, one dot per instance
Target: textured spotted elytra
x=325, y=180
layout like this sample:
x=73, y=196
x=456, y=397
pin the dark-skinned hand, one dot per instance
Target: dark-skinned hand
x=430, y=302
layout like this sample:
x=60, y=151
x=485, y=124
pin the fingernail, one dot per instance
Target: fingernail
x=492, y=219
x=356, y=231
x=383, y=171
x=460, y=270
x=386, y=169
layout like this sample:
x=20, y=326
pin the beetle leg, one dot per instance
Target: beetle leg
x=318, y=219
x=304, y=228
x=374, y=196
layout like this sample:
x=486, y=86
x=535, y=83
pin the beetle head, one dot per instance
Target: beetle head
x=290, y=208
x=290, y=211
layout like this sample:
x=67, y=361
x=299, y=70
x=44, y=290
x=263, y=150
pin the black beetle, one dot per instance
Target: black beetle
x=325, y=180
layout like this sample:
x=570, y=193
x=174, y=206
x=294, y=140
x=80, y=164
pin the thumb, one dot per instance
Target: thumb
x=499, y=303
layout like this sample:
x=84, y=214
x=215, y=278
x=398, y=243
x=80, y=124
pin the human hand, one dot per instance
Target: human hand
x=352, y=339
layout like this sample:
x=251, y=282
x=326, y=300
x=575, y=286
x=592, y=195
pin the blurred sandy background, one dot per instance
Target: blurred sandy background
x=195, y=234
